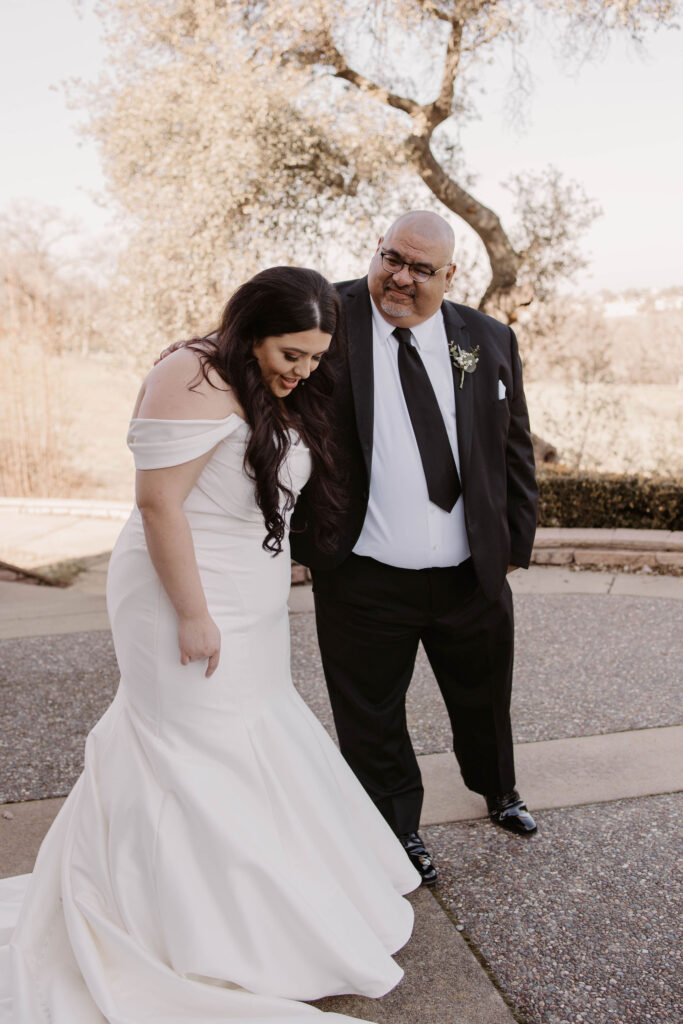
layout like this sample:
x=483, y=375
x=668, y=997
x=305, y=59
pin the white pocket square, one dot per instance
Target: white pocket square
x=501, y=389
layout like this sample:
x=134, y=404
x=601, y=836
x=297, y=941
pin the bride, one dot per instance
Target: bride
x=204, y=868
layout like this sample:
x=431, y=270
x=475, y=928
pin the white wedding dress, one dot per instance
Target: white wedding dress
x=217, y=862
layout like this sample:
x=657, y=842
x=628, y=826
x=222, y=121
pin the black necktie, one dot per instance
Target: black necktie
x=441, y=474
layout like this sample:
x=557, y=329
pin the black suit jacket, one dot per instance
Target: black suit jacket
x=496, y=454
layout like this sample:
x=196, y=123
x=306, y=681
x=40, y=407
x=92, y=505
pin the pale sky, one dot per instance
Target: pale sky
x=614, y=126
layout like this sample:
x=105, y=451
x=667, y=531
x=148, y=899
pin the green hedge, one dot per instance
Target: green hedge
x=608, y=500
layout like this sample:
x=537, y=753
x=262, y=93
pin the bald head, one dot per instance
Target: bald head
x=425, y=225
x=420, y=240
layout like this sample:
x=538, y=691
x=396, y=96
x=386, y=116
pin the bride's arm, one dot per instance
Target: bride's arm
x=160, y=494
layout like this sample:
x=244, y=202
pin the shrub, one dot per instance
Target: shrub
x=609, y=500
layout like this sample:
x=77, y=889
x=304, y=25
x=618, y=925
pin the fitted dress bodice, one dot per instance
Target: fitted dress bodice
x=225, y=488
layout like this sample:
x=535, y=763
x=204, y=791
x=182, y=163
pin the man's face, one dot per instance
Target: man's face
x=403, y=301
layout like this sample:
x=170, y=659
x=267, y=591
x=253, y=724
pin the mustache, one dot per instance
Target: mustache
x=410, y=292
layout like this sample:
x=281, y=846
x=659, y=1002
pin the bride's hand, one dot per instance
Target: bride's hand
x=199, y=638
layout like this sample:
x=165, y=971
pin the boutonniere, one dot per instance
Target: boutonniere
x=463, y=360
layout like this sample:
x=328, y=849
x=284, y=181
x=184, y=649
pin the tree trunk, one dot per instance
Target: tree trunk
x=503, y=296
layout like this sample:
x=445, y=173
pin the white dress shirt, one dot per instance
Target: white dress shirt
x=402, y=526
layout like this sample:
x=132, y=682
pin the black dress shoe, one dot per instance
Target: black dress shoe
x=419, y=857
x=510, y=812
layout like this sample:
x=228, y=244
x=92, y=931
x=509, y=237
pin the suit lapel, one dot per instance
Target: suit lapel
x=359, y=340
x=457, y=332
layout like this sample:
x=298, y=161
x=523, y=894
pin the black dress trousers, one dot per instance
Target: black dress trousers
x=370, y=620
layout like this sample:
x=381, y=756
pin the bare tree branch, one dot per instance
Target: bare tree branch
x=342, y=70
x=379, y=93
x=442, y=108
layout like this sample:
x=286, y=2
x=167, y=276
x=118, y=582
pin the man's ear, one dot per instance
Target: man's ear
x=449, y=275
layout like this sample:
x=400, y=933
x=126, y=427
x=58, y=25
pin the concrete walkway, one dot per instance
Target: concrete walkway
x=462, y=966
x=37, y=533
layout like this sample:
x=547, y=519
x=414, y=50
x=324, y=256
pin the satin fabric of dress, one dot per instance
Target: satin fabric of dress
x=205, y=868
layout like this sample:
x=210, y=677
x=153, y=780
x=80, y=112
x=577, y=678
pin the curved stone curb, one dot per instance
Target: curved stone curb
x=660, y=550
x=565, y=772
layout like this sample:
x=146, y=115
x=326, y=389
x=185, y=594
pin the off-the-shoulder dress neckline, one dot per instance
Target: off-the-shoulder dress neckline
x=167, y=419
x=224, y=419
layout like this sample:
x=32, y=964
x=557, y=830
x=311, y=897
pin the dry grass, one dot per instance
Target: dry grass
x=616, y=428
x=63, y=422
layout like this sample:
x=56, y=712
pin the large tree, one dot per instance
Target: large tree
x=240, y=132
x=422, y=60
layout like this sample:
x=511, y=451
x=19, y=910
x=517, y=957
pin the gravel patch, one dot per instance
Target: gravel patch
x=54, y=690
x=587, y=665
x=581, y=923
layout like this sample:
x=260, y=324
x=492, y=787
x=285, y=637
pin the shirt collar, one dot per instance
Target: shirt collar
x=425, y=335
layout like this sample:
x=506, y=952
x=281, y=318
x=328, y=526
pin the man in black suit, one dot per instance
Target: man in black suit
x=442, y=504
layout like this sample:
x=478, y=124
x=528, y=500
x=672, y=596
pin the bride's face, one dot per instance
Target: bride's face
x=287, y=359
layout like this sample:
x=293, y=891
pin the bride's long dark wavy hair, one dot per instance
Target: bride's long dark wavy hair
x=282, y=300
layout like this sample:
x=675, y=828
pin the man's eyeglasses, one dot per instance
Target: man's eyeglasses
x=418, y=271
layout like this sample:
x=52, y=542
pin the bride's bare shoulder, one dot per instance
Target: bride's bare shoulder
x=177, y=388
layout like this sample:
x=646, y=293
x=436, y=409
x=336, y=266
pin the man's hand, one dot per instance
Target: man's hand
x=171, y=348
x=511, y=568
